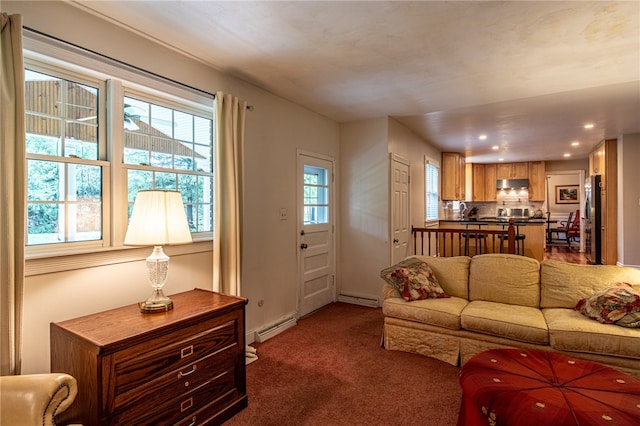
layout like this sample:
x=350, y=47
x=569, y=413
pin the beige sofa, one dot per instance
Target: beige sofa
x=502, y=300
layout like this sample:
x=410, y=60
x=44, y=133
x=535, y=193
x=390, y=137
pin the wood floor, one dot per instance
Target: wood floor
x=565, y=254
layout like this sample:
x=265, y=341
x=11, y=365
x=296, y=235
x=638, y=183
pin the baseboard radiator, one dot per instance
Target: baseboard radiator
x=273, y=330
x=357, y=300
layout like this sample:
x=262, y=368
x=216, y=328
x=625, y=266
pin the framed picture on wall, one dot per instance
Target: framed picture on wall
x=567, y=194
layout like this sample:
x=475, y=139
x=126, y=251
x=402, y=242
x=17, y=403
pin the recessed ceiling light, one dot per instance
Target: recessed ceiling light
x=482, y=137
x=575, y=143
x=495, y=147
x=566, y=154
x=588, y=126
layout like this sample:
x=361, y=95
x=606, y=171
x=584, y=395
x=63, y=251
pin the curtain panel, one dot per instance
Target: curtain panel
x=12, y=192
x=229, y=189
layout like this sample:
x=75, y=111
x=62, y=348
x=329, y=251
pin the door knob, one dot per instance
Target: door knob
x=303, y=246
x=396, y=241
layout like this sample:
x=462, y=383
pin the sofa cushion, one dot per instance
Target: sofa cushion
x=439, y=312
x=505, y=278
x=522, y=323
x=414, y=280
x=619, y=304
x=569, y=330
x=452, y=273
x=563, y=284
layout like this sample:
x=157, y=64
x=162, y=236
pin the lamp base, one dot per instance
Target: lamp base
x=158, y=302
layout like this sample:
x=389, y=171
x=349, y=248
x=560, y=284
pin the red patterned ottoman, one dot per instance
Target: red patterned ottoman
x=534, y=387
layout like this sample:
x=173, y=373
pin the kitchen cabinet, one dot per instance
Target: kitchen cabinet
x=597, y=159
x=605, y=165
x=478, y=177
x=512, y=171
x=537, y=181
x=453, y=176
x=483, y=178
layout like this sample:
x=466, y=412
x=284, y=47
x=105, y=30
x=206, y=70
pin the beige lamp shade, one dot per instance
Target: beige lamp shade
x=158, y=219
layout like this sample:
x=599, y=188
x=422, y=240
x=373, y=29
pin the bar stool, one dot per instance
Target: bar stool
x=519, y=241
x=475, y=236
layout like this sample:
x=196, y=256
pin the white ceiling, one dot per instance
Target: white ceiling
x=529, y=75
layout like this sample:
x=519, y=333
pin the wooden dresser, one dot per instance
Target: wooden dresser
x=182, y=367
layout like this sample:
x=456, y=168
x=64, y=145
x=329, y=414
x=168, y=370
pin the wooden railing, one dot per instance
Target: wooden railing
x=447, y=242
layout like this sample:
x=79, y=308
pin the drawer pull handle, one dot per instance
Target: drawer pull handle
x=186, y=351
x=185, y=405
x=193, y=421
x=193, y=369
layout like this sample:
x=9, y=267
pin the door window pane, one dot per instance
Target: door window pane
x=316, y=195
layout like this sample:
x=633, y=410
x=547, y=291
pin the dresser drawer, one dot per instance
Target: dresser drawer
x=178, y=382
x=216, y=394
x=161, y=362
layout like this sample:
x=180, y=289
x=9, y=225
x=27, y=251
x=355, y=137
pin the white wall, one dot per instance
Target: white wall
x=364, y=231
x=274, y=130
x=364, y=218
x=629, y=200
x=407, y=144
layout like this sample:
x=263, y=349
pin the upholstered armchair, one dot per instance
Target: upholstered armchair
x=35, y=399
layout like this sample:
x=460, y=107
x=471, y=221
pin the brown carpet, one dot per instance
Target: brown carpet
x=330, y=370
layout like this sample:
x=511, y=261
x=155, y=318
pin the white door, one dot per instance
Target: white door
x=316, y=260
x=400, y=209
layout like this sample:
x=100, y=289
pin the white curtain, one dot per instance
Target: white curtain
x=229, y=177
x=12, y=192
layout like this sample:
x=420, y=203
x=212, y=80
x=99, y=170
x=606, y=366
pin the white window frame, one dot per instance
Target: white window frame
x=44, y=54
x=430, y=162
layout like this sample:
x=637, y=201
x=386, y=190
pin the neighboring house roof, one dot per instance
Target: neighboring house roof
x=44, y=98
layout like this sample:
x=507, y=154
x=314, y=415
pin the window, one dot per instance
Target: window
x=316, y=195
x=431, y=173
x=64, y=176
x=174, y=150
x=97, y=132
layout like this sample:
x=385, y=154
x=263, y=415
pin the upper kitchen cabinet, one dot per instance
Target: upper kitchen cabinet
x=483, y=178
x=537, y=181
x=453, y=176
x=597, y=160
x=512, y=171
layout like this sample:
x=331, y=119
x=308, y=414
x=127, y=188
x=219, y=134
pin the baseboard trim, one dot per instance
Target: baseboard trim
x=356, y=300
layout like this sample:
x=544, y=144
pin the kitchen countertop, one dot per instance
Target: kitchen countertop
x=495, y=220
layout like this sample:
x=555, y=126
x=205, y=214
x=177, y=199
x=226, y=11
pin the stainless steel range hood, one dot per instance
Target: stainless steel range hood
x=512, y=184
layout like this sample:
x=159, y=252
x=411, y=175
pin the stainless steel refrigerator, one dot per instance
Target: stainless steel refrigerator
x=593, y=220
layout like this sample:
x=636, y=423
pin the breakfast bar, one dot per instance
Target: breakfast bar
x=532, y=230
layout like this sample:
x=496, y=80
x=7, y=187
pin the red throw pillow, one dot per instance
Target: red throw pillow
x=414, y=280
x=619, y=305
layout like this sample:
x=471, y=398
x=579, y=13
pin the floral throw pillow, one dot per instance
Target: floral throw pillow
x=619, y=305
x=414, y=279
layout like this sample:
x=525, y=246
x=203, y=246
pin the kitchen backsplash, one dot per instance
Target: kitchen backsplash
x=504, y=199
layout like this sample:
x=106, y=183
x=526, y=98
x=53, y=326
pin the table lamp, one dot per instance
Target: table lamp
x=158, y=219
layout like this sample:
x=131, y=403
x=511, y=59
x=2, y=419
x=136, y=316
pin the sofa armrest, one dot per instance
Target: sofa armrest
x=35, y=399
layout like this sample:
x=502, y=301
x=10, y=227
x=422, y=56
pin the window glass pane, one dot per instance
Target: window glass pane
x=431, y=191
x=42, y=223
x=165, y=181
x=316, y=195
x=203, y=158
x=138, y=180
x=86, y=223
x=85, y=183
x=183, y=126
x=62, y=113
x=45, y=181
